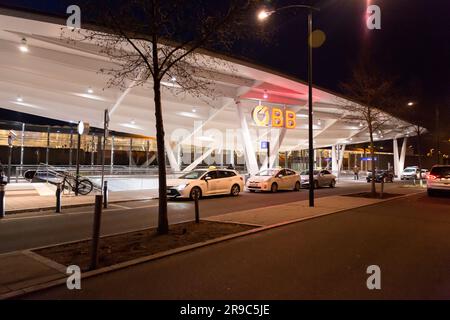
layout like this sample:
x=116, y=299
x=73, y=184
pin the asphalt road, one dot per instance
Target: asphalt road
x=24, y=231
x=323, y=258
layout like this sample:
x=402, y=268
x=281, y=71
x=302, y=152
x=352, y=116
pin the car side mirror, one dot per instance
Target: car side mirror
x=207, y=178
x=280, y=176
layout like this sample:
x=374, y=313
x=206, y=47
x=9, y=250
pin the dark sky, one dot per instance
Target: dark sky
x=413, y=45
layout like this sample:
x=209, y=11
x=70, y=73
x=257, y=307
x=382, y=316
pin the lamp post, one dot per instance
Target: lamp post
x=264, y=14
x=77, y=175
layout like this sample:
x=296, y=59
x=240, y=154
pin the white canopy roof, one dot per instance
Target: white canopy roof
x=53, y=78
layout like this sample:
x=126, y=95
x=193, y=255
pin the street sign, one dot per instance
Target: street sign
x=369, y=159
x=264, y=144
x=80, y=128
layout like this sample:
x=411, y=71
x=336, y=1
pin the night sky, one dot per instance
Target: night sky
x=413, y=45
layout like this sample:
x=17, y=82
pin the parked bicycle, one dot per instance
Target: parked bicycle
x=85, y=186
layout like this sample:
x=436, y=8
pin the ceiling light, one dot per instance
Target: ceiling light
x=90, y=90
x=361, y=124
x=23, y=45
x=173, y=79
x=300, y=115
x=319, y=123
x=194, y=110
x=19, y=99
x=410, y=104
x=133, y=121
x=266, y=95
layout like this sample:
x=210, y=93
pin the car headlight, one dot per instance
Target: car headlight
x=182, y=186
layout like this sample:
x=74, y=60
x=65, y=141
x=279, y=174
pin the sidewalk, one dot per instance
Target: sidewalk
x=300, y=210
x=25, y=271
x=41, y=196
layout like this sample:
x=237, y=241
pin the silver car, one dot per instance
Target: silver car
x=322, y=178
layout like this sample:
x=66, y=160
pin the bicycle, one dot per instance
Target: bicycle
x=85, y=186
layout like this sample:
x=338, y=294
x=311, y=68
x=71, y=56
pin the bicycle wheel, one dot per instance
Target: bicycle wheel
x=85, y=187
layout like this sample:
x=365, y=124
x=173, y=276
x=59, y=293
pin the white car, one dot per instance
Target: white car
x=438, y=179
x=205, y=182
x=322, y=178
x=273, y=180
x=411, y=173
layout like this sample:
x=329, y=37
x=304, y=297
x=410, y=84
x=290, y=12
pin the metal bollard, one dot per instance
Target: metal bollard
x=382, y=188
x=2, y=201
x=96, y=231
x=197, y=211
x=105, y=194
x=58, y=198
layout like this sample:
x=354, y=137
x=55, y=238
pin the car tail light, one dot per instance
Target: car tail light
x=432, y=177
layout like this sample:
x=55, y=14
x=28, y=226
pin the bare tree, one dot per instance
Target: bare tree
x=153, y=41
x=371, y=94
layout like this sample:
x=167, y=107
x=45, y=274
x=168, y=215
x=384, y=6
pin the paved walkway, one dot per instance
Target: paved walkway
x=21, y=271
x=41, y=196
x=293, y=211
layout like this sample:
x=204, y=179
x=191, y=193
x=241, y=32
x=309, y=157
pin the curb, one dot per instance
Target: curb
x=160, y=255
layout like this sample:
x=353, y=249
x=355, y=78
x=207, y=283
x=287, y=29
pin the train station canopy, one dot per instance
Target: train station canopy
x=60, y=80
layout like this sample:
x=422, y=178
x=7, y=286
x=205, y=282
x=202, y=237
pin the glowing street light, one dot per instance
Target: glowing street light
x=264, y=14
x=410, y=104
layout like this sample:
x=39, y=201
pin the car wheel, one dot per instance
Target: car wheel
x=274, y=188
x=195, y=191
x=316, y=184
x=235, y=190
x=333, y=183
x=297, y=186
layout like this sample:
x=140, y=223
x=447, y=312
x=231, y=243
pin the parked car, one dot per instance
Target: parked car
x=438, y=179
x=381, y=175
x=411, y=173
x=205, y=182
x=322, y=178
x=273, y=180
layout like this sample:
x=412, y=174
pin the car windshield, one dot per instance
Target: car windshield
x=441, y=171
x=410, y=170
x=196, y=174
x=267, y=173
x=305, y=173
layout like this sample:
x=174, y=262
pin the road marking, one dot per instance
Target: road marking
x=74, y=213
x=119, y=206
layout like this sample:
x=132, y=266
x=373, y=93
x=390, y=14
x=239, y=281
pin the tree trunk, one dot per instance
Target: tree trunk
x=163, y=223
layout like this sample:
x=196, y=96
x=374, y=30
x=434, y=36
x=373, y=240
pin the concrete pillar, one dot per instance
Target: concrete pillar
x=249, y=150
x=48, y=146
x=71, y=147
x=22, y=141
x=130, y=156
x=334, y=160
x=399, y=159
x=92, y=149
x=112, y=151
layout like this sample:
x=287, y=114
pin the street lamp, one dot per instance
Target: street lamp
x=263, y=15
x=80, y=131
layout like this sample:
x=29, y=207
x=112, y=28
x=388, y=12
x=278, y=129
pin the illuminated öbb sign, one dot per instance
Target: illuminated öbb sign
x=274, y=117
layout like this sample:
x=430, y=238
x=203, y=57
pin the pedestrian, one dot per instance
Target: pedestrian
x=356, y=173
